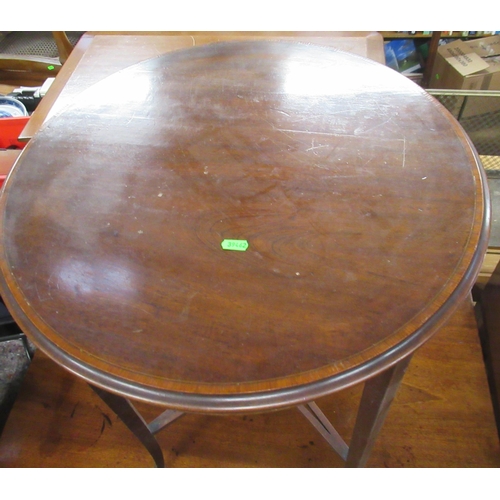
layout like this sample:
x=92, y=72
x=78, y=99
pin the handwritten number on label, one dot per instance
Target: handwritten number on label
x=238, y=245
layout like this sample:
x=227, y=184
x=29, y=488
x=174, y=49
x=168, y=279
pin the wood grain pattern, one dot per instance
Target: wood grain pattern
x=441, y=417
x=360, y=244
x=7, y=159
x=100, y=54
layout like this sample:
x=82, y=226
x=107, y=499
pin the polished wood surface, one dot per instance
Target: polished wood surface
x=7, y=159
x=361, y=199
x=441, y=418
x=100, y=54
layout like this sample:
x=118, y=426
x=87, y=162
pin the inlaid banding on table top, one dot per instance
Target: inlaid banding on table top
x=359, y=198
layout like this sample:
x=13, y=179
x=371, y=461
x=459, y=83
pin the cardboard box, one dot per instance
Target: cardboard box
x=471, y=65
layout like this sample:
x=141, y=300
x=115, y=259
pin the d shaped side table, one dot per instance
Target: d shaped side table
x=258, y=224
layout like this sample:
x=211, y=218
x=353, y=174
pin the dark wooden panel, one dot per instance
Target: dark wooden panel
x=489, y=314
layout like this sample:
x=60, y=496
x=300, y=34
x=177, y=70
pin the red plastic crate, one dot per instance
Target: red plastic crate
x=10, y=130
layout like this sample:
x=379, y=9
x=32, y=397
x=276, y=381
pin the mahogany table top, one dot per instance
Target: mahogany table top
x=99, y=54
x=362, y=202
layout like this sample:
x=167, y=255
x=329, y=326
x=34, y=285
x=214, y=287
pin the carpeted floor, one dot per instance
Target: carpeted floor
x=14, y=361
x=16, y=352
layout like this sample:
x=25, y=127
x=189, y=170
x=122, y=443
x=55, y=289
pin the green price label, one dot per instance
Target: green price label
x=50, y=67
x=238, y=245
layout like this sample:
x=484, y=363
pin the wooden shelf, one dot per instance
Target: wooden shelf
x=419, y=34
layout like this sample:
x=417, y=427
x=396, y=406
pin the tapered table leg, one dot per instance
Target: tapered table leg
x=377, y=397
x=319, y=421
x=134, y=421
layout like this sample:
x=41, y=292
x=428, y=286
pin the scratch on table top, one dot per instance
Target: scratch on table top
x=280, y=111
x=284, y=130
x=361, y=131
x=185, y=311
x=320, y=146
x=404, y=152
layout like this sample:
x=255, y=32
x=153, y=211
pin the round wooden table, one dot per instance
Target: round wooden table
x=243, y=226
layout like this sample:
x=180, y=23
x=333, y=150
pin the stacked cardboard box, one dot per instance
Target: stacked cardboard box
x=471, y=65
